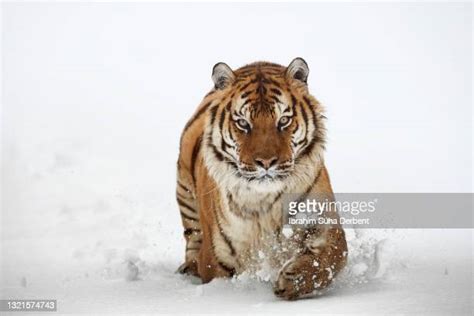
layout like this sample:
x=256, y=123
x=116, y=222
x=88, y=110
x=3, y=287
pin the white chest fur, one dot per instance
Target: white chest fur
x=251, y=221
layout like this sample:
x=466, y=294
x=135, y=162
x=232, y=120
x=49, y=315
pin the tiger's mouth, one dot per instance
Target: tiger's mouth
x=259, y=174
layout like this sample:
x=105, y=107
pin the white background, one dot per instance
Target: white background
x=95, y=97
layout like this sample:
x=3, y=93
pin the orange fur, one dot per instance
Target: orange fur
x=258, y=135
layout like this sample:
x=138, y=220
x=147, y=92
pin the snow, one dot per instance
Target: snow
x=91, y=119
x=100, y=282
x=121, y=256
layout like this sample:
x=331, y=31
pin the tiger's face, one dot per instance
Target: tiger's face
x=263, y=121
x=263, y=144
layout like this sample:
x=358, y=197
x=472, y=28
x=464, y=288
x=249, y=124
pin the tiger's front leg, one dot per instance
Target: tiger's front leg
x=216, y=247
x=189, y=211
x=209, y=265
x=322, y=255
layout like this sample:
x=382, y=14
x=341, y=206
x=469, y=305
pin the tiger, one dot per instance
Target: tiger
x=256, y=136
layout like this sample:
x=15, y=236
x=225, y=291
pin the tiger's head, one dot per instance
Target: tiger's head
x=264, y=127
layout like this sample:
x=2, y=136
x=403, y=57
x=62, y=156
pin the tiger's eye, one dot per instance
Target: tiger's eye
x=242, y=123
x=284, y=122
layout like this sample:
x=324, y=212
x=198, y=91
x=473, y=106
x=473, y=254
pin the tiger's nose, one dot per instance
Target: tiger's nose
x=266, y=163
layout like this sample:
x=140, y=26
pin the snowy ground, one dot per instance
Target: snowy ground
x=95, y=97
x=100, y=274
x=98, y=252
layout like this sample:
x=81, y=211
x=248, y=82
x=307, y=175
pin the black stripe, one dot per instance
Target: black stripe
x=230, y=197
x=255, y=80
x=226, y=239
x=246, y=68
x=183, y=204
x=262, y=90
x=305, y=116
x=288, y=110
x=196, y=149
x=246, y=102
x=276, y=91
x=231, y=136
x=275, y=200
x=307, y=100
x=210, y=93
x=270, y=80
x=240, y=111
x=245, y=94
x=213, y=113
x=216, y=152
x=317, y=138
x=305, y=119
x=179, y=195
x=239, y=80
x=308, y=190
x=185, y=216
x=245, y=86
x=222, y=116
x=242, y=76
x=313, y=112
x=220, y=156
x=268, y=65
x=182, y=186
x=190, y=231
x=225, y=145
x=192, y=248
x=293, y=103
x=273, y=72
x=221, y=127
x=310, y=146
x=303, y=141
x=228, y=269
x=296, y=127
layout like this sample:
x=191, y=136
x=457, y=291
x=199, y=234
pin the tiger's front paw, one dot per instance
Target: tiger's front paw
x=299, y=277
x=189, y=268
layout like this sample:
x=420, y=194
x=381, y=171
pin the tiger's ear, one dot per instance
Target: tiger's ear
x=298, y=69
x=222, y=75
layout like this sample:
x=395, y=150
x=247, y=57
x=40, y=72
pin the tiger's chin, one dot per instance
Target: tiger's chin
x=265, y=179
x=263, y=183
x=264, y=176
